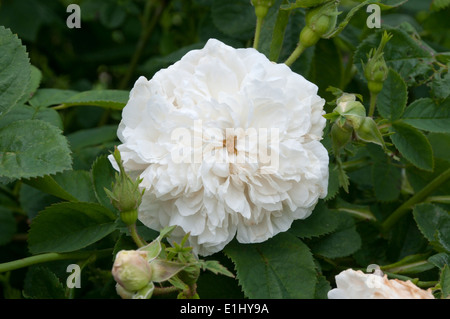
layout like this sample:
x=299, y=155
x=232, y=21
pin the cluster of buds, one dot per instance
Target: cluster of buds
x=320, y=19
x=376, y=70
x=125, y=195
x=349, y=117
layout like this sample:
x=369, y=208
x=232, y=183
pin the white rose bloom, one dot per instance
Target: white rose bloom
x=212, y=182
x=353, y=284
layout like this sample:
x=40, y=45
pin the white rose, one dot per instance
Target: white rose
x=353, y=284
x=212, y=182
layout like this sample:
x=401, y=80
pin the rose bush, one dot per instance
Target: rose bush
x=224, y=149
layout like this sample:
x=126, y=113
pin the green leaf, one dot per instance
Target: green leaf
x=69, y=226
x=443, y=234
x=281, y=267
x=322, y=221
x=440, y=87
x=386, y=181
x=24, y=155
x=47, y=97
x=33, y=84
x=88, y=144
x=103, y=176
x=445, y=281
x=7, y=226
x=341, y=243
x=440, y=260
x=439, y=4
x=69, y=185
x=216, y=268
x=33, y=200
x=429, y=219
x=322, y=288
x=41, y=283
x=407, y=55
x=326, y=50
x=333, y=182
x=391, y=101
x=413, y=145
x=15, y=68
x=114, y=99
x=234, y=18
x=426, y=115
x=439, y=143
x=418, y=178
x=27, y=112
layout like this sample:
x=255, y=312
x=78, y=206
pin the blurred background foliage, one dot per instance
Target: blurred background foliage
x=100, y=53
x=119, y=40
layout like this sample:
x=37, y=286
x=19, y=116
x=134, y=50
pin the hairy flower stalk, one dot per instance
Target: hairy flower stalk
x=226, y=144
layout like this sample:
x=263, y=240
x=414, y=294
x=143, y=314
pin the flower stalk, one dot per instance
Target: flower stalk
x=417, y=198
x=43, y=258
x=261, y=9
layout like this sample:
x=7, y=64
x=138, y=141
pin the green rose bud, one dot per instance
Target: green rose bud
x=308, y=37
x=262, y=7
x=369, y=132
x=322, y=19
x=131, y=270
x=340, y=136
x=125, y=194
x=376, y=70
x=319, y=21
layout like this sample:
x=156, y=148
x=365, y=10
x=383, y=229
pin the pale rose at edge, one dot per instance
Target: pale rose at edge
x=219, y=198
x=353, y=284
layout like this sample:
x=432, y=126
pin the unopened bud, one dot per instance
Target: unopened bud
x=308, y=37
x=131, y=270
x=369, y=132
x=123, y=293
x=319, y=21
x=125, y=194
x=322, y=19
x=376, y=70
x=340, y=136
x=262, y=7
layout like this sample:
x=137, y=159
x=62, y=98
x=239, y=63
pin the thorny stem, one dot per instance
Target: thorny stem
x=164, y=290
x=134, y=234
